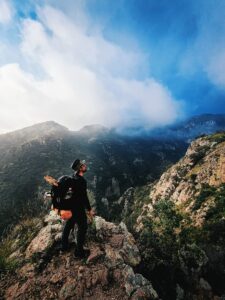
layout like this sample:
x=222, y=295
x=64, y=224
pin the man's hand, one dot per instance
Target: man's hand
x=91, y=214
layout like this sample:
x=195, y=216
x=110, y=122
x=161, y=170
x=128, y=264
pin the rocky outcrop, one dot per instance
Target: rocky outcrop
x=202, y=165
x=180, y=228
x=174, y=183
x=126, y=201
x=46, y=273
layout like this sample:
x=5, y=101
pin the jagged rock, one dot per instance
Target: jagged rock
x=46, y=236
x=112, y=257
x=126, y=200
x=56, y=278
x=95, y=255
x=116, y=240
x=80, y=272
x=68, y=290
x=203, y=163
x=27, y=270
x=129, y=250
x=18, y=291
x=106, y=229
x=52, y=218
x=117, y=275
x=43, y=241
x=204, y=284
x=11, y=291
x=100, y=276
x=144, y=293
x=106, y=272
x=121, y=246
x=136, y=284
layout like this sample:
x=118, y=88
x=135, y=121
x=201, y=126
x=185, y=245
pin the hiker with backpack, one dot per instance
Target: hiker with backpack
x=79, y=203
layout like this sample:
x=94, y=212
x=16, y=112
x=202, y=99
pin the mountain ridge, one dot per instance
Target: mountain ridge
x=202, y=121
x=114, y=163
x=178, y=222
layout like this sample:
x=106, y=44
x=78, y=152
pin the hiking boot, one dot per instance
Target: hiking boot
x=82, y=253
x=65, y=248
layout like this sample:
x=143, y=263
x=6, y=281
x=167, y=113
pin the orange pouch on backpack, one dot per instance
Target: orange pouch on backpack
x=64, y=214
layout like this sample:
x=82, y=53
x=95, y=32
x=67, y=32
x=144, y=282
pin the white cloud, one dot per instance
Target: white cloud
x=5, y=11
x=73, y=75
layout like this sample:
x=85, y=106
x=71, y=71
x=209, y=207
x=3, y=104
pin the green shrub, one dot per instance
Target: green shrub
x=17, y=239
x=158, y=236
x=173, y=248
x=215, y=218
x=218, y=137
x=193, y=177
x=7, y=264
x=196, y=157
x=205, y=192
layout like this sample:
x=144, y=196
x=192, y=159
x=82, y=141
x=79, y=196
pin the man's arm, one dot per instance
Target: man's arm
x=86, y=199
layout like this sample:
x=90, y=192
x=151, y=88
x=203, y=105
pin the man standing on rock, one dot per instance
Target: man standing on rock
x=80, y=202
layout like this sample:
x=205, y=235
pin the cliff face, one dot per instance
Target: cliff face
x=179, y=223
x=202, y=163
x=38, y=270
x=202, y=167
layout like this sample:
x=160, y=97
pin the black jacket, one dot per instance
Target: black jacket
x=79, y=192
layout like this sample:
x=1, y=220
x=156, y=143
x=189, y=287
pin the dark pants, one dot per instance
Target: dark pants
x=78, y=216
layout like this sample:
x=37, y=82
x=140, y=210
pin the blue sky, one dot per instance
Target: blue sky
x=118, y=63
x=167, y=30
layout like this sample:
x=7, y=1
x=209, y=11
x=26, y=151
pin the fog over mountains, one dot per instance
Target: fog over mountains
x=187, y=129
x=116, y=161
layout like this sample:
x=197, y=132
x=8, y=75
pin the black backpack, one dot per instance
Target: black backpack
x=61, y=194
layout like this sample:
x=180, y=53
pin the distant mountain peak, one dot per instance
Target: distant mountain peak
x=93, y=129
x=33, y=132
x=191, y=127
x=50, y=126
x=43, y=127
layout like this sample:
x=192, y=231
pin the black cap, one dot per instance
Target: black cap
x=77, y=163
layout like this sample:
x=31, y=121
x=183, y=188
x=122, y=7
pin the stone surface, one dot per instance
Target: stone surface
x=106, y=274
